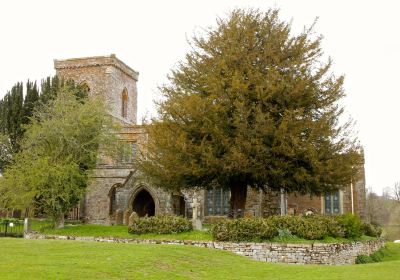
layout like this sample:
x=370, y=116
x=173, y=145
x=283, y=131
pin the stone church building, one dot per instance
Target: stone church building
x=118, y=188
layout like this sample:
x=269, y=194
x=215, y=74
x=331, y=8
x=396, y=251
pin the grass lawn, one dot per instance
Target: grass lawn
x=51, y=259
x=114, y=231
x=122, y=232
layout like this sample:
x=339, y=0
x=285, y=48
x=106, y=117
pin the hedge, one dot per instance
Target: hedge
x=313, y=227
x=254, y=230
x=159, y=225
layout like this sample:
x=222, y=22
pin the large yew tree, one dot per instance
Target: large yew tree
x=252, y=105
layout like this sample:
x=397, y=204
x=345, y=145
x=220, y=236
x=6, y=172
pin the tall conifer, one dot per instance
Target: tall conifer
x=252, y=105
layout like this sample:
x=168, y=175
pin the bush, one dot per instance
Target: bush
x=313, y=227
x=160, y=225
x=373, y=258
x=351, y=225
x=243, y=230
x=371, y=230
x=309, y=227
x=361, y=259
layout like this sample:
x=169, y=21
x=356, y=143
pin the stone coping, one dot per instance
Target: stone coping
x=108, y=60
x=290, y=253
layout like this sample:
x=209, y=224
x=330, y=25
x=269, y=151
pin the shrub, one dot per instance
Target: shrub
x=309, y=227
x=351, y=225
x=313, y=227
x=371, y=230
x=361, y=259
x=373, y=258
x=239, y=230
x=160, y=225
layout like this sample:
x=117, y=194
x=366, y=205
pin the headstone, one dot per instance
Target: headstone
x=195, y=220
x=119, y=217
x=127, y=214
x=132, y=217
x=27, y=226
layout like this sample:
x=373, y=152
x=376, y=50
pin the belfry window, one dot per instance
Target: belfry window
x=217, y=201
x=124, y=102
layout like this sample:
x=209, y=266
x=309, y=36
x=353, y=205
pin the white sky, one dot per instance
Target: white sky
x=362, y=37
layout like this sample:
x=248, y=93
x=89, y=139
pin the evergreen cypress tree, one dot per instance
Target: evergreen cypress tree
x=30, y=101
x=15, y=115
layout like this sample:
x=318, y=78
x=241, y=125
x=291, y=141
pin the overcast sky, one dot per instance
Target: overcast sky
x=362, y=37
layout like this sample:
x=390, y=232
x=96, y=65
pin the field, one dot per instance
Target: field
x=50, y=259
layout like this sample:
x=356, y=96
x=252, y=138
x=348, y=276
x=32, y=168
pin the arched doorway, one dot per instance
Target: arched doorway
x=143, y=204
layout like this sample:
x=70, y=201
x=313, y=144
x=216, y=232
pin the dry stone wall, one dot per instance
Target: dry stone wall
x=317, y=253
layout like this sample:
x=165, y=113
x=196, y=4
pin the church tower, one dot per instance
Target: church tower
x=108, y=77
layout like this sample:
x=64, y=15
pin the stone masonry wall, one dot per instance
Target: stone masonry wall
x=325, y=254
x=107, y=77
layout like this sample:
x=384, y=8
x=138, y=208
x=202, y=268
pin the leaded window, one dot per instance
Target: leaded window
x=332, y=203
x=217, y=201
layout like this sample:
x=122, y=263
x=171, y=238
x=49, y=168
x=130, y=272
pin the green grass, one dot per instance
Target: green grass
x=114, y=231
x=76, y=229
x=122, y=232
x=50, y=259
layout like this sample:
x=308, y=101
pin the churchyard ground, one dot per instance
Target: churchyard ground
x=51, y=259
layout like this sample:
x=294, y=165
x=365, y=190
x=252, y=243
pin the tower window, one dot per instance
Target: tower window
x=124, y=102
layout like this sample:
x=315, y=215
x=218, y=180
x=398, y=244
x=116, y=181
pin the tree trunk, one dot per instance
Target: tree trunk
x=238, y=199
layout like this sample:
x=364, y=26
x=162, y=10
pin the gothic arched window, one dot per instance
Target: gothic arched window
x=124, y=102
x=113, y=199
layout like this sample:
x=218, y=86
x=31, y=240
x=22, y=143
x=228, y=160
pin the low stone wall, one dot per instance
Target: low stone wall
x=317, y=253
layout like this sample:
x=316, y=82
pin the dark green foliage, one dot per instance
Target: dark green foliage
x=313, y=227
x=160, y=225
x=361, y=259
x=58, y=151
x=16, y=111
x=373, y=258
x=252, y=105
x=49, y=88
x=12, y=115
x=31, y=101
x=371, y=230
x=351, y=225
x=244, y=230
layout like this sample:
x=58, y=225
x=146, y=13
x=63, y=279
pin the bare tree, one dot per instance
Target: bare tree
x=396, y=191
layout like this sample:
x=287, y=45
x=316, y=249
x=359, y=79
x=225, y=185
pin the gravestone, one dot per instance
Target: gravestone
x=127, y=214
x=132, y=217
x=27, y=226
x=119, y=217
x=195, y=220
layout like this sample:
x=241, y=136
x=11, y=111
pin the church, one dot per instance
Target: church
x=117, y=188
